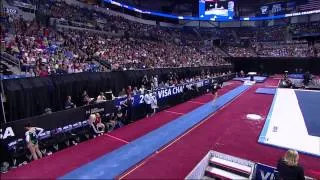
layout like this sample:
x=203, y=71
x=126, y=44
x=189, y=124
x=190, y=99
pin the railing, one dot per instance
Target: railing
x=10, y=59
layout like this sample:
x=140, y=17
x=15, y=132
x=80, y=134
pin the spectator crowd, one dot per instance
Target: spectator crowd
x=89, y=37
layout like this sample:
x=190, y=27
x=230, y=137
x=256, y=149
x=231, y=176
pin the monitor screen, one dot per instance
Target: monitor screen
x=216, y=9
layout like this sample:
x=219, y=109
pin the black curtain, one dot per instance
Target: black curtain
x=276, y=65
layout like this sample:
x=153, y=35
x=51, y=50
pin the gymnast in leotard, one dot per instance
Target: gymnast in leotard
x=32, y=140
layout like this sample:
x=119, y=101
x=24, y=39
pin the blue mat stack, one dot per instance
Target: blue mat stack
x=270, y=91
x=258, y=79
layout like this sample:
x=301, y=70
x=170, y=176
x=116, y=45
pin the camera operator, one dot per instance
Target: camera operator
x=306, y=78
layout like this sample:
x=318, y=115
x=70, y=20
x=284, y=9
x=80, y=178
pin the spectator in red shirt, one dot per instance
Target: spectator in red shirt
x=43, y=72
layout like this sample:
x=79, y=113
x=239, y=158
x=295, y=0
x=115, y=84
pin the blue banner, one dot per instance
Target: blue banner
x=277, y=8
x=264, y=172
x=163, y=92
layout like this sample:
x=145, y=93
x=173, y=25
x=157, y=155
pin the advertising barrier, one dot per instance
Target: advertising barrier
x=167, y=92
x=264, y=172
x=56, y=122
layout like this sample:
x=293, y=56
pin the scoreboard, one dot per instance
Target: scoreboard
x=216, y=9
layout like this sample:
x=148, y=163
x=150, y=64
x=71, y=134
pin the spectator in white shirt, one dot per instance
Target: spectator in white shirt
x=147, y=100
x=155, y=81
x=154, y=103
x=142, y=89
x=135, y=90
x=101, y=98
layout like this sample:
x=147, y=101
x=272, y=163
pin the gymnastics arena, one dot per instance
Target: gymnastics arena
x=168, y=89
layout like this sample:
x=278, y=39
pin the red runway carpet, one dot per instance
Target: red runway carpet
x=64, y=161
x=228, y=131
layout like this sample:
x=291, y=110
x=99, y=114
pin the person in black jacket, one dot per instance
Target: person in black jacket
x=127, y=108
x=289, y=168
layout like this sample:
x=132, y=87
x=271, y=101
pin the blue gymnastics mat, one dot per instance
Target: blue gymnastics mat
x=113, y=164
x=293, y=121
x=258, y=79
x=271, y=91
x=295, y=76
x=309, y=102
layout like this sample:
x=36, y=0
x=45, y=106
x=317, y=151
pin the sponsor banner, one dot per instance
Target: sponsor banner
x=55, y=123
x=277, y=8
x=171, y=91
x=102, y=108
x=264, y=172
x=11, y=11
x=164, y=92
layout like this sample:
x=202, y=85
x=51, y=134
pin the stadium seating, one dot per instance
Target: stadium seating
x=50, y=50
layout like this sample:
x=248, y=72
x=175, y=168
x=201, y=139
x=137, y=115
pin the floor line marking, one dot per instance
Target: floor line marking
x=117, y=138
x=196, y=102
x=184, y=134
x=173, y=112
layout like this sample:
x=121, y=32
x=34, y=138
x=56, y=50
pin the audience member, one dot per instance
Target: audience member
x=69, y=104
x=289, y=167
x=101, y=98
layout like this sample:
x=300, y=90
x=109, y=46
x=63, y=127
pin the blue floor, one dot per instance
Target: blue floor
x=295, y=76
x=270, y=91
x=118, y=161
x=309, y=102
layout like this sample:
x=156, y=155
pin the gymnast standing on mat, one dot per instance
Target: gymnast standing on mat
x=214, y=91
